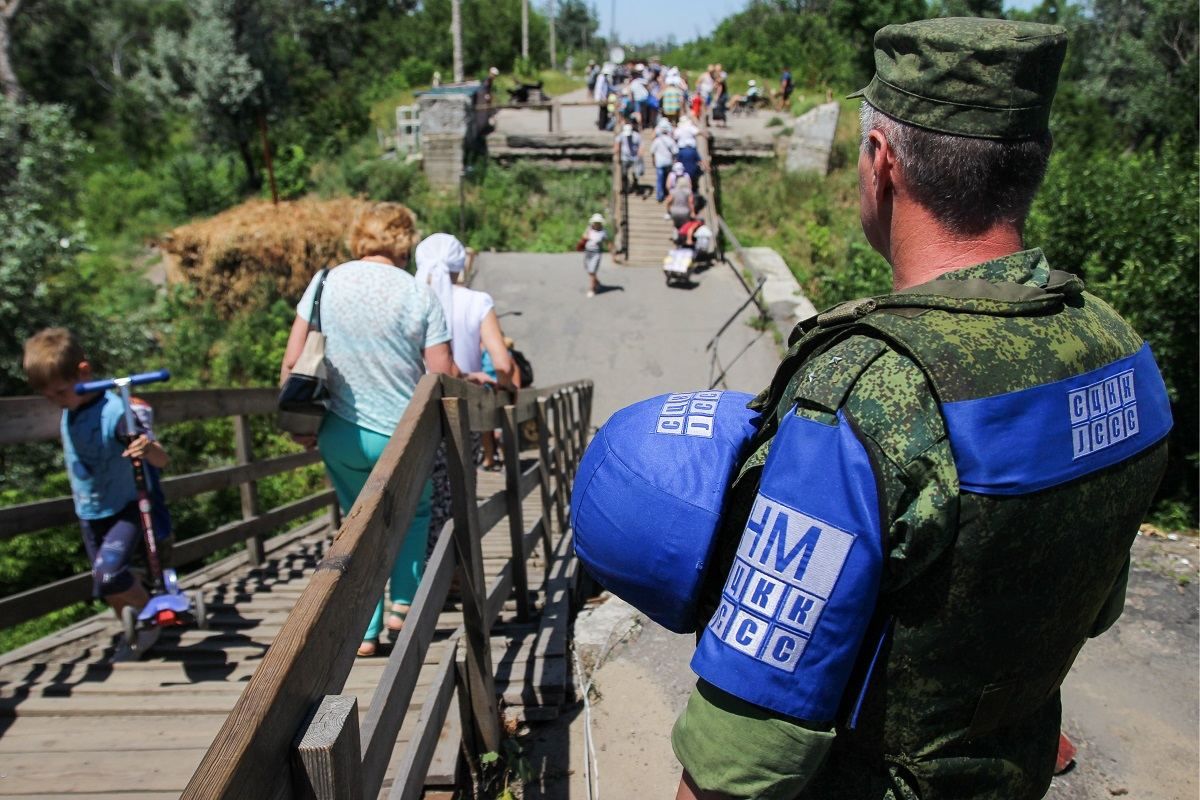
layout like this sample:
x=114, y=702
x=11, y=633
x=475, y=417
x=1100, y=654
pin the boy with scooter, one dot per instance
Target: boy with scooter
x=112, y=460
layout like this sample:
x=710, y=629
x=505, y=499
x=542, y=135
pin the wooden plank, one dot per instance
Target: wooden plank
x=492, y=510
x=410, y=775
x=194, y=549
x=461, y=468
x=243, y=447
x=498, y=592
x=42, y=514
x=516, y=525
x=389, y=704
x=536, y=683
x=444, y=765
x=549, y=465
x=103, y=621
x=32, y=419
x=310, y=657
x=326, y=764
x=32, y=603
x=530, y=478
x=103, y=768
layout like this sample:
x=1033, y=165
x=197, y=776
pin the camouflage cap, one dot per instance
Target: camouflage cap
x=967, y=76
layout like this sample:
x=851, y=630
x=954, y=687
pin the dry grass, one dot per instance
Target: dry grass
x=226, y=256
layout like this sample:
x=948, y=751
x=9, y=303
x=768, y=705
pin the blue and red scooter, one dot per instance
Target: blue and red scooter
x=168, y=605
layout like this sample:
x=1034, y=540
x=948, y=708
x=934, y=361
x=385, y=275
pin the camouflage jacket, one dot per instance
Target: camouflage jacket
x=984, y=601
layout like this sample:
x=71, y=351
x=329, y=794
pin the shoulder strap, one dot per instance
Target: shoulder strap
x=314, y=317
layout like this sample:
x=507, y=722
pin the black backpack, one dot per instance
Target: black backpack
x=524, y=367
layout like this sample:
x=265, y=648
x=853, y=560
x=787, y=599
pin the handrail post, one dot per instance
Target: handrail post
x=326, y=760
x=547, y=469
x=461, y=469
x=516, y=523
x=564, y=410
x=561, y=481
x=243, y=439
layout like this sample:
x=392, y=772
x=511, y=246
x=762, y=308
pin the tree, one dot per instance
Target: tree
x=37, y=151
x=1140, y=62
x=576, y=25
x=8, y=77
x=207, y=71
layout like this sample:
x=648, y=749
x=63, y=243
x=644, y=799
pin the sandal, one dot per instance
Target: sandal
x=368, y=648
x=395, y=620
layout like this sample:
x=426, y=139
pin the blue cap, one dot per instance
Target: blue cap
x=649, y=494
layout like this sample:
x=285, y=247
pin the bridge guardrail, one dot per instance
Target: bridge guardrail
x=290, y=719
x=31, y=419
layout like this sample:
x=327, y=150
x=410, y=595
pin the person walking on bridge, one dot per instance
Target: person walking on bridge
x=629, y=149
x=936, y=510
x=600, y=91
x=672, y=99
x=383, y=331
x=663, y=149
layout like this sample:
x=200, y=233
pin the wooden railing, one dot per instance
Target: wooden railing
x=707, y=187
x=24, y=420
x=620, y=211
x=291, y=733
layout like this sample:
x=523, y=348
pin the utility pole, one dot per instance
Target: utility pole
x=456, y=34
x=553, y=24
x=525, y=30
x=612, y=26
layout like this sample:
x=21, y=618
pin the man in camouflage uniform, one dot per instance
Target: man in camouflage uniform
x=1015, y=427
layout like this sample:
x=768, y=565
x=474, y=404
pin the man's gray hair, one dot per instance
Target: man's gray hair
x=969, y=184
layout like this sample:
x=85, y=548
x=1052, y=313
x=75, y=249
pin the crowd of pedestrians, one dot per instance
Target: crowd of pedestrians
x=639, y=94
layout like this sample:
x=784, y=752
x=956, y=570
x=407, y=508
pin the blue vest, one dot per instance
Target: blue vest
x=101, y=479
x=802, y=588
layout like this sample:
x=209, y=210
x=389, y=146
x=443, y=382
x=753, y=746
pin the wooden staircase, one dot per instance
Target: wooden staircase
x=649, y=233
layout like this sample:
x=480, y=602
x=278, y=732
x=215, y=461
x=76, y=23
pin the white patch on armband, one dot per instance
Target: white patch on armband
x=785, y=571
x=1103, y=414
x=689, y=414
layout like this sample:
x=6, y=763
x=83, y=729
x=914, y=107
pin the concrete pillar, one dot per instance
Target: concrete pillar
x=447, y=131
x=811, y=141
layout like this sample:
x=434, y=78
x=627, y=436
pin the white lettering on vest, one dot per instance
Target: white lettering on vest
x=785, y=570
x=1102, y=414
x=689, y=414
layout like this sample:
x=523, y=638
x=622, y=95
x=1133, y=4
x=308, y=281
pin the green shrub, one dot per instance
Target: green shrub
x=1126, y=222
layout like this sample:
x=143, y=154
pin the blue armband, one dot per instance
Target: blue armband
x=802, y=589
x=649, y=494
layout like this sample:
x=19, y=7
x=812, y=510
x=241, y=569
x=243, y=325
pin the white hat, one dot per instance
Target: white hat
x=674, y=80
x=753, y=82
x=664, y=124
x=639, y=67
x=626, y=129
x=493, y=71
x=677, y=168
x=596, y=218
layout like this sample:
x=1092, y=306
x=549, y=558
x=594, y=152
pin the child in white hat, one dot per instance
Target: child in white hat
x=592, y=245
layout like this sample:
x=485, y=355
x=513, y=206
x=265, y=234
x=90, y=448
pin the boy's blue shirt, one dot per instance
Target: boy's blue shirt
x=101, y=478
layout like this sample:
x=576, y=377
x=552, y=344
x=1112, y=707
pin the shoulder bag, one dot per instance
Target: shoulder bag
x=304, y=392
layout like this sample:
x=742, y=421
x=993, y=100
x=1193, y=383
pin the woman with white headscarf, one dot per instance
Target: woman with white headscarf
x=470, y=314
x=474, y=327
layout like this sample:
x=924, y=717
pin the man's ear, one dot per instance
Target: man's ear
x=883, y=164
x=85, y=371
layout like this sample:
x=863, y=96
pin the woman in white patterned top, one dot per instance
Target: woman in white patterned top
x=383, y=331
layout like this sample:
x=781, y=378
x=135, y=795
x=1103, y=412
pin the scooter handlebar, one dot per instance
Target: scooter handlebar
x=129, y=380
